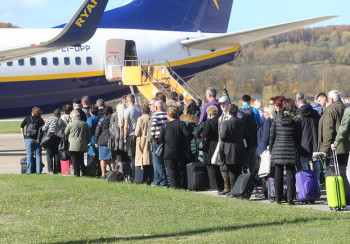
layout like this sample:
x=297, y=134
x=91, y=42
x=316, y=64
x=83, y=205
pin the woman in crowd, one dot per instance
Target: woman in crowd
x=211, y=133
x=263, y=142
x=79, y=135
x=101, y=140
x=67, y=109
x=190, y=117
x=284, y=143
x=54, y=125
x=32, y=124
x=233, y=131
x=143, y=157
x=172, y=135
x=92, y=122
x=258, y=104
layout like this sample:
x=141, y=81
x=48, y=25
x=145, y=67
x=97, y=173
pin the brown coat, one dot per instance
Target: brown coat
x=143, y=153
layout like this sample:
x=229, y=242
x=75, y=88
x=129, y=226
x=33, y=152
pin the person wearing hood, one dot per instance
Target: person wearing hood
x=285, y=134
x=309, y=125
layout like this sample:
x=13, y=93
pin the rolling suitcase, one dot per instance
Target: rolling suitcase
x=197, y=177
x=335, y=186
x=270, y=185
x=307, y=186
x=244, y=186
x=65, y=167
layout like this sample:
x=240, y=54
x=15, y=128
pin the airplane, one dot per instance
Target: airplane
x=50, y=67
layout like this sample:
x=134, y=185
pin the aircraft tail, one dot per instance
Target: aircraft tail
x=172, y=15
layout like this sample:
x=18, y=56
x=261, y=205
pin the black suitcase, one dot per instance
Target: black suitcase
x=115, y=176
x=244, y=186
x=197, y=176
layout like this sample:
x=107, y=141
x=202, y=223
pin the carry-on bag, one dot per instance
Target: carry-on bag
x=65, y=167
x=115, y=176
x=197, y=177
x=307, y=186
x=335, y=186
x=244, y=186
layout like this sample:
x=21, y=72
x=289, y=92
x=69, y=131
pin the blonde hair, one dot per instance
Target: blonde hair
x=270, y=109
x=212, y=110
x=172, y=112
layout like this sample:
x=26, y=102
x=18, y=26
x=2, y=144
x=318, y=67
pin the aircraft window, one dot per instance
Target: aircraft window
x=9, y=63
x=21, y=62
x=32, y=61
x=66, y=61
x=89, y=60
x=44, y=61
x=55, y=61
x=78, y=61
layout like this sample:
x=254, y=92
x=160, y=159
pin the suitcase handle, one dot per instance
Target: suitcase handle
x=335, y=161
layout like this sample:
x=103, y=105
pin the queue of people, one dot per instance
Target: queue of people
x=129, y=139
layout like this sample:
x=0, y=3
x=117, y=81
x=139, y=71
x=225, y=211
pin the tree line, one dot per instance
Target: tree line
x=309, y=60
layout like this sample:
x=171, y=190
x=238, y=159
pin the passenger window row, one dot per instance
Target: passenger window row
x=55, y=61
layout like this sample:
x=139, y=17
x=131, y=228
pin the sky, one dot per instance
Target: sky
x=246, y=14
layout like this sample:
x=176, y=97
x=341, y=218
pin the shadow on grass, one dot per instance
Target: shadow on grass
x=191, y=232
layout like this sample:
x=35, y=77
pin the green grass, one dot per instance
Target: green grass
x=10, y=127
x=57, y=209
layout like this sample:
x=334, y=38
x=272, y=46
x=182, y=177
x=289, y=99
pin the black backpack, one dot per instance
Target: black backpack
x=32, y=128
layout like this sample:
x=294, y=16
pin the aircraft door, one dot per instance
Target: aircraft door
x=114, y=59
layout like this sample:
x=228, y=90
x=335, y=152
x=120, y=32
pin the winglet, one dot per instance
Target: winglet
x=82, y=26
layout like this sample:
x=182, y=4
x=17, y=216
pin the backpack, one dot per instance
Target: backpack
x=32, y=128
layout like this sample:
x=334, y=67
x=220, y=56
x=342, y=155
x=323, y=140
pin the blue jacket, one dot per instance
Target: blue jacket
x=256, y=115
x=92, y=123
x=317, y=107
x=264, y=136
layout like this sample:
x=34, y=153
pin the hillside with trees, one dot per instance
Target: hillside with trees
x=7, y=25
x=310, y=60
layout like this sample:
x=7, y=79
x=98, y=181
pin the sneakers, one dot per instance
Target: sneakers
x=51, y=172
x=260, y=196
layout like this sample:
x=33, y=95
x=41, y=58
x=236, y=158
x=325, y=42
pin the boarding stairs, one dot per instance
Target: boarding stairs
x=159, y=77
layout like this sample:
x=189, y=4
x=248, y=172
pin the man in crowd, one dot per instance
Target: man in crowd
x=322, y=100
x=246, y=99
x=100, y=104
x=77, y=106
x=85, y=101
x=327, y=131
x=211, y=97
x=159, y=165
x=131, y=114
x=224, y=103
x=309, y=139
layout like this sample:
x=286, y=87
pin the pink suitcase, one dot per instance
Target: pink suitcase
x=65, y=166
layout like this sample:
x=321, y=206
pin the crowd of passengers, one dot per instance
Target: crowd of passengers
x=127, y=138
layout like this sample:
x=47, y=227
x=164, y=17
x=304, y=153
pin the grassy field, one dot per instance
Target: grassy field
x=57, y=209
x=10, y=127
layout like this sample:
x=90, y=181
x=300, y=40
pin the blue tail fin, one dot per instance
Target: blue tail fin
x=173, y=15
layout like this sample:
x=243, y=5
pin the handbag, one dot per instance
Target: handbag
x=265, y=163
x=216, y=159
x=160, y=151
x=48, y=140
x=63, y=148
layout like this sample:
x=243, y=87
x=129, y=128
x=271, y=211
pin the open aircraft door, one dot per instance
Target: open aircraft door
x=114, y=59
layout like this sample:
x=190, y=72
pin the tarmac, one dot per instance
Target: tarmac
x=12, y=150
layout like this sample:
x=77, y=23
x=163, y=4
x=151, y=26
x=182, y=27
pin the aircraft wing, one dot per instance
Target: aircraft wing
x=80, y=29
x=244, y=37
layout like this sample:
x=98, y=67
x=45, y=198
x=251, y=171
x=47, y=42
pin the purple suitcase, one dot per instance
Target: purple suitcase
x=307, y=186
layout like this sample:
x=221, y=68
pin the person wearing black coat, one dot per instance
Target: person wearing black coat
x=284, y=145
x=211, y=132
x=309, y=140
x=233, y=131
x=172, y=136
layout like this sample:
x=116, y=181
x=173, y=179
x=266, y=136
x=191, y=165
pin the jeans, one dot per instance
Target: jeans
x=316, y=165
x=33, y=146
x=160, y=168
